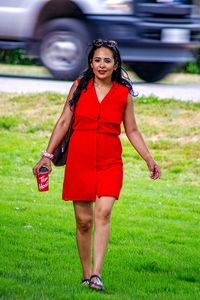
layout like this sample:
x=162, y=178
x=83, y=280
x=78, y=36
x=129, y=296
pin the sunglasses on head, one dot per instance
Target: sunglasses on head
x=100, y=42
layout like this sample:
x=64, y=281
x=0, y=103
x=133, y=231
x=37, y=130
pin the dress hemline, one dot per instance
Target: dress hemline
x=90, y=200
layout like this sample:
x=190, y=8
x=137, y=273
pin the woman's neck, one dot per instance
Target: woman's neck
x=106, y=82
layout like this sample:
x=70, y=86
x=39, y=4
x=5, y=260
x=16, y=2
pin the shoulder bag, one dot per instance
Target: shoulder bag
x=60, y=153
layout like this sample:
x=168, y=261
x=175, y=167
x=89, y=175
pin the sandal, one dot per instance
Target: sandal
x=85, y=281
x=96, y=283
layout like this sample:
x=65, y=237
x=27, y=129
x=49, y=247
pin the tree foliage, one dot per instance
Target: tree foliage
x=15, y=57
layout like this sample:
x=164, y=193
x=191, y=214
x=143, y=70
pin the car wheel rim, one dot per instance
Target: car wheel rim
x=61, y=51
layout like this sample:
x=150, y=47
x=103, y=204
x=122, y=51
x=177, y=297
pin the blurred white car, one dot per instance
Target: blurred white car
x=153, y=35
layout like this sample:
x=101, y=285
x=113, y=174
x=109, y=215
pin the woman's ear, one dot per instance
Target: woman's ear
x=91, y=65
x=115, y=66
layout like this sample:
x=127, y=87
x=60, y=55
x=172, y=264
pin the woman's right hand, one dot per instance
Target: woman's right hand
x=43, y=162
x=154, y=169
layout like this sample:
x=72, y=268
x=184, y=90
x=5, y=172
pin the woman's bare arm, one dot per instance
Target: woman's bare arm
x=62, y=124
x=59, y=131
x=136, y=138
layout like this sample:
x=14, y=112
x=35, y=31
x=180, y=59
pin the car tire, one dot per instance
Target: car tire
x=152, y=71
x=63, y=48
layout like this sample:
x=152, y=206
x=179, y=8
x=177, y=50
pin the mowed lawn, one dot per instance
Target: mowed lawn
x=154, y=250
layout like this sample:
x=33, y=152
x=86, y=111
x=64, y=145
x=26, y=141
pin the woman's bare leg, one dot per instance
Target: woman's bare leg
x=102, y=216
x=84, y=222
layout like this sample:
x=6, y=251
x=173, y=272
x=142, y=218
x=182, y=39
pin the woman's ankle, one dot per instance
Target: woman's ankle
x=96, y=273
x=86, y=275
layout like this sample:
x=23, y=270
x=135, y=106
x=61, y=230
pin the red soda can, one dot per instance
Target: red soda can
x=43, y=180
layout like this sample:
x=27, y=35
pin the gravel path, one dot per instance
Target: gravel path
x=161, y=90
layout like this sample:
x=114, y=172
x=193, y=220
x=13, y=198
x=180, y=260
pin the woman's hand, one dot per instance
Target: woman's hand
x=43, y=162
x=154, y=169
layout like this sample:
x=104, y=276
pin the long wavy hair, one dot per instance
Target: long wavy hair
x=119, y=75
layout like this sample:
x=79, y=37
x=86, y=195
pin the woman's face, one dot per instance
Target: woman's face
x=103, y=63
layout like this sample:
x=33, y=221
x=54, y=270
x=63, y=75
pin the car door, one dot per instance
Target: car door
x=11, y=16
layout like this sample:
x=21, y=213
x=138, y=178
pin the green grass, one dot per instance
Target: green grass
x=23, y=70
x=154, y=246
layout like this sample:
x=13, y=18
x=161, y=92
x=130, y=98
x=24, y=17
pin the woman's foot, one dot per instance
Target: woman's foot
x=96, y=283
x=85, y=281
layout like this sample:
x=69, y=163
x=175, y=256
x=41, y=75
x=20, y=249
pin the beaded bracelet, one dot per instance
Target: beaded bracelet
x=46, y=154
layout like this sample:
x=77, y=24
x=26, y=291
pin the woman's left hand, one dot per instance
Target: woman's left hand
x=154, y=169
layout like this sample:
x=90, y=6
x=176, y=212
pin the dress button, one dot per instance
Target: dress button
x=98, y=122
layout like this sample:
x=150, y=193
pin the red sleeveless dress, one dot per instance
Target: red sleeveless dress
x=94, y=164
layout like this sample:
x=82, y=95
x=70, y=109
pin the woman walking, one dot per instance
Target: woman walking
x=100, y=100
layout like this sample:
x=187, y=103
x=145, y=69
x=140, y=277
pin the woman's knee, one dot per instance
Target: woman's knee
x=84, y=224
x=103, y=215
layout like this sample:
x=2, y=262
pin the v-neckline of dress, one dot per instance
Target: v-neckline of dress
x=106, y=95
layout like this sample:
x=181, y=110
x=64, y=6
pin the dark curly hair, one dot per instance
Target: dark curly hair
x=119, y=75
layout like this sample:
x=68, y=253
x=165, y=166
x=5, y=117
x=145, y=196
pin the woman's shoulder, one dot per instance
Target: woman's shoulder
x=127, y=87
x=85, y=80
x=121, y=86
x=78, y=80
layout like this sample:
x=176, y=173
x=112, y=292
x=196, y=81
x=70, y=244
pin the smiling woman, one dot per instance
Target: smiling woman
x=100, y=100
x=103, y=65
